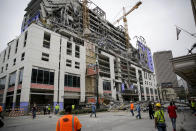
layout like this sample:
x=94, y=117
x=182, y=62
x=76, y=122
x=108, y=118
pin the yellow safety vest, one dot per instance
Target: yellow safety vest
x=160, y=116
x=193, y=104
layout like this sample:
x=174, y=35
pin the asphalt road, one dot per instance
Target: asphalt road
x=106, y=121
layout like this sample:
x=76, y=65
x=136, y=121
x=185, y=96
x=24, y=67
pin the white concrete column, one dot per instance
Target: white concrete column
x=5, y=90
x=145, y=94
x=58, y=85
x=138, y=84
x=150, y=93
x=26, y=85
x=15, y=88
x=112, y=76
x=82, y=88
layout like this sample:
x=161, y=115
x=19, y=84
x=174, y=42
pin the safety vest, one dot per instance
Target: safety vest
x=1, y=109
x=193, y=104
x=73, y=107
x=57, y=107
x=131, y=106
x=160, y=116
x=68, y=123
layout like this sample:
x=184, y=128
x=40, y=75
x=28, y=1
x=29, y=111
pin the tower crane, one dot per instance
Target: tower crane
x=125, y=21
x=86, y=30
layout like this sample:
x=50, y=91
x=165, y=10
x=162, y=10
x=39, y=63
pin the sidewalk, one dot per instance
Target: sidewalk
x=185, y=120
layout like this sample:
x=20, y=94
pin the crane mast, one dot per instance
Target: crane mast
x=125, y=21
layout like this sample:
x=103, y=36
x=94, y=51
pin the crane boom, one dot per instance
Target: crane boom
x=135, y=7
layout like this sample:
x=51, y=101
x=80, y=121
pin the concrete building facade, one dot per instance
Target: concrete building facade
x=166, y=78
x=38, y=63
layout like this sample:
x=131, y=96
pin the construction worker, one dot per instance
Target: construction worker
x=138, y=108
x=93, y=109
x=56, y=109
x=73, y=107
x=159, y=118
x=193, y=106
x=34, y=110
x=1, y=122
x=132, y=108
x=49, y=108
x=1, y=111
x=68, y=122
x=150, y=109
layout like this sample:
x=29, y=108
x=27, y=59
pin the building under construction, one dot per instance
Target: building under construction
x=68, y=53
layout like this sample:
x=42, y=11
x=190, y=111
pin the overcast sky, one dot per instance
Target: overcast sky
x=154, y=20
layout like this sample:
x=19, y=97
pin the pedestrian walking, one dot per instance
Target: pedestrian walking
x=150, y=109
x=138, y=108
x=1, y=117
x=159, y=118
x=1, y=112
x=45, y=110
x=193, y=106
x=132, y=108
x=56, y=109
x=172, y=114
x=73, y=107
x=34, y=109
x=68, y=122
x=93, y=110
x=49, y=109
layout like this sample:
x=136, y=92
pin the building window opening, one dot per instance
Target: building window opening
x=14, y=62
x=68, y=63
x=6, y=67
x=106, y=85
x=45, y=57
x=69, y=48
x=16, y=49
x=20, y=75
x=41, y=97
x=12, y=79
x=9, y=52
x=77, y=65
x=147, y=90
x=77, y=51
x=155, y=91
x=1, y=69
x=22, y=56
x=4, y=56
x=25, y=39
x=2, y=83
x=72, y=80
x=151, y=91
x=42, y=76
x=46, y=41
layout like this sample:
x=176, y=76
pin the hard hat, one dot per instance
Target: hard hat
x=158, y=105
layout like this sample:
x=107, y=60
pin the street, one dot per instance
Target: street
x=106, y=121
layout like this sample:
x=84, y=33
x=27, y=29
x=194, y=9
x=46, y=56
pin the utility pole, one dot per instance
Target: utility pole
x=97, y=81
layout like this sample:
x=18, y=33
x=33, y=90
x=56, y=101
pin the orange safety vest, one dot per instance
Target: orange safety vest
x=1, y=109
x=131, y=106
x=68, y=123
